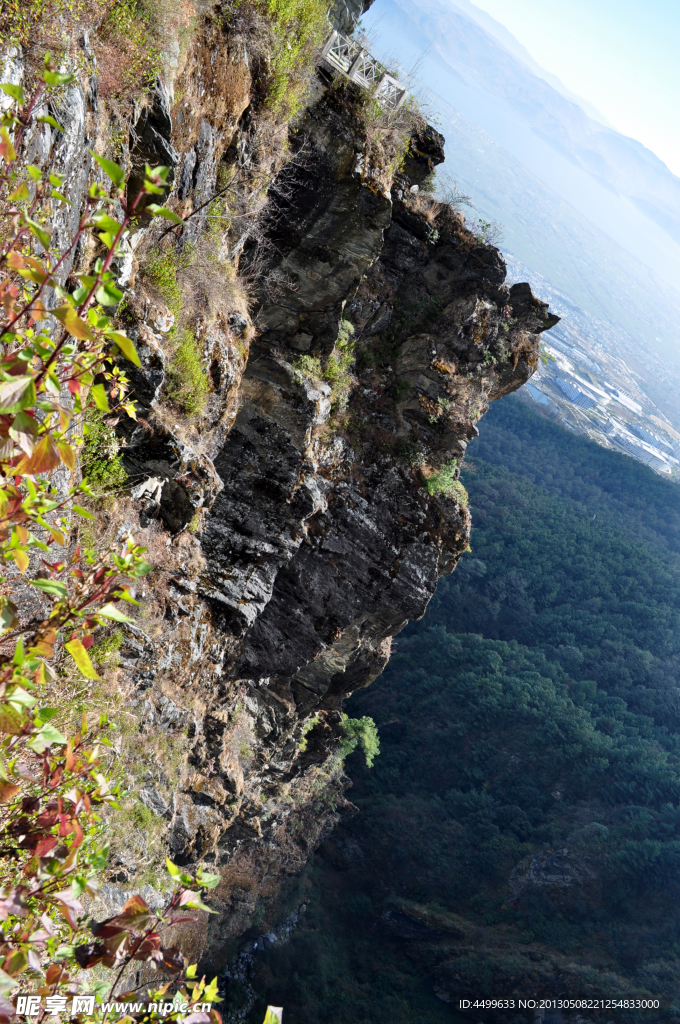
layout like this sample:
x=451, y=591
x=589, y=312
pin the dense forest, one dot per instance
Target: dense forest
x=519, y=834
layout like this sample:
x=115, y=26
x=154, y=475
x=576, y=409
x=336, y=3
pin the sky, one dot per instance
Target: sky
x=621, y=55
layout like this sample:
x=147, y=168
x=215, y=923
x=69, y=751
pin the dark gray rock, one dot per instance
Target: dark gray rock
x=152, y=799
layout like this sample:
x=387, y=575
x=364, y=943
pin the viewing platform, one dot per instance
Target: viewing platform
x=355, y=62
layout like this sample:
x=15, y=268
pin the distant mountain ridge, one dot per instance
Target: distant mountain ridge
x=506, y=39
x=621, y=164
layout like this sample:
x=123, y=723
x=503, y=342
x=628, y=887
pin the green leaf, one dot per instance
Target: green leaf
x=55, y=587
x=57, y=78
x=209, y=881
x=19, y=656
x=177, y=874
x=109, y=611
x=17, y=394
x=82, y=512
x=21, y=697
x=43, y=236
x=98, y=392
x=99, y=859
x=81, y=658
x=78, y=886
x=162, y=211
x=17, y=962
x=45, y=738
x=211, y=992
x=112, y=170
x=15, y=91
x=126, y=346
x=47, y=119
x=106, y=223
x=44, y=715
x=34, y=172
x=108, y=295
x=157, y=172
x=51, y=734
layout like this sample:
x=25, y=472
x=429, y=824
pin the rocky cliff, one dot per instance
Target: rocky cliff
x=353, y=331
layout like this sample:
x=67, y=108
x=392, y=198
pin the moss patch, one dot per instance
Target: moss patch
x=188, y=380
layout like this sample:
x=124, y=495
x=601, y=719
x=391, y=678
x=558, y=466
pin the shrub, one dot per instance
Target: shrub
x=445, y=482
x=338, y=369
x=360, y=732
x=51, y=785
x=101, y=463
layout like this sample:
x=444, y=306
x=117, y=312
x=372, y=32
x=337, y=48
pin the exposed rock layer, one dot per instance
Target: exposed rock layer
x=329, y=512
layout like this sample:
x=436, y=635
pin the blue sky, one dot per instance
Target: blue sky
x=621, y=55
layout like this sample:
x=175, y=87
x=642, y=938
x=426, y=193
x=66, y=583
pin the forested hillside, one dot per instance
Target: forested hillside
x=519, y=834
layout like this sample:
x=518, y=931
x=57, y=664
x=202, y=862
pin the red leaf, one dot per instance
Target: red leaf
x=45, y=845
x=150, y=944
x=45, y=458
x=79, y=835
x=53, y=974
x=172, y=961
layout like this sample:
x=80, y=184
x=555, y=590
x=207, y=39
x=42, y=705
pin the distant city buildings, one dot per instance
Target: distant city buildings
x=574, y=393
x=656, y=462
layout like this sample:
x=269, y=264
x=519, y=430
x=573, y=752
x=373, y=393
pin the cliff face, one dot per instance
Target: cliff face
x=324, y=466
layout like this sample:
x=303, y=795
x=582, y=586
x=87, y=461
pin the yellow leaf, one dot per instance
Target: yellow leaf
x=81, y=658
x=19, y=193
x=126, y=345
x=73, y=323
x=21, y=560
x=57, y=535
x=68, y=455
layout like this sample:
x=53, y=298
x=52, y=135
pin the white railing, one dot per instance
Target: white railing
x=351, y=59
